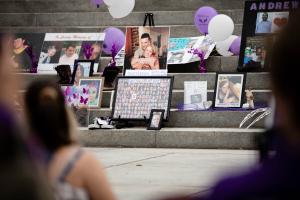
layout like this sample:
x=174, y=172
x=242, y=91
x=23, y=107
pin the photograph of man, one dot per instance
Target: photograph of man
x=26, y=50
x=69, y=55
x=46, y=58
x=265, y=25
x=145, y=48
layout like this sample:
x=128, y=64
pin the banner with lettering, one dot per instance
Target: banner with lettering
x=262, y=21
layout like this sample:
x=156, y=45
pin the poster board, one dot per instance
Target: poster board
x=135, y=97
x=262, y=21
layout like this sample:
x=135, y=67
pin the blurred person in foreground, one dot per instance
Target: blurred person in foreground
x=21, y=178
x=73, y=173
x=278, y=175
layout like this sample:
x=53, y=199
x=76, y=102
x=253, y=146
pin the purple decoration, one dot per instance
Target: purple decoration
x=235, y=46
x=88, y=50
x=114, y=40
x=202, y=18
x=200, y=54
x=97, y=3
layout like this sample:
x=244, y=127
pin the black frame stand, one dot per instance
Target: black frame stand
x=149, y=17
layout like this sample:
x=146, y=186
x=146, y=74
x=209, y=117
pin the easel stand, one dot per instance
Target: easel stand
x=149, y=18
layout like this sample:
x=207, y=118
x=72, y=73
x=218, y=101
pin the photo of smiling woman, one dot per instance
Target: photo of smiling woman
x=229, y=90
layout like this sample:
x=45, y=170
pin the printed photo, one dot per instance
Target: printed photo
x=271, y=22
x=156, y=118
x=255, y=54
x=229, y=90
x=65, y=48
x=76, y=96
x=94, y=89
x=26, y=51
x=82, y=69
x=146, y=48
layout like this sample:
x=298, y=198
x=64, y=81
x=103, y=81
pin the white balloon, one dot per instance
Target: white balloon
x=121, y=9
x=220, y=27
x=223, y=46
x=110, y=2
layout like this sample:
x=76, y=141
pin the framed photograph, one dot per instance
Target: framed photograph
x=146, y=48
x=82, y=69
x=94, y=87
x=156, y=118
x=262, y=22
x=135, y=97
x=229, y=90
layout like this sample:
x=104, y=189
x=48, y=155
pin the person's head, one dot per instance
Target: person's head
x=47, y=115
x=265, y=16
x=149, y=51
x=145, y=40
x=79, y=71
x=224, y=86
x=70, y=50
x=51, y=51
x=19, y=43
x=284, y=61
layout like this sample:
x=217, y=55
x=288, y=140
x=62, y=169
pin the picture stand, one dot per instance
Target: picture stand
x=149, y=17
x=110, y=73
x=122, y=123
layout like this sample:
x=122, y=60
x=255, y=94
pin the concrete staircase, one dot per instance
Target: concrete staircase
x=186, y=129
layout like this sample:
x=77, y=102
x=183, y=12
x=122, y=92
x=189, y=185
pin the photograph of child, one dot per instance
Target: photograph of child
x=26, y=50
x=146, y=48
x=94, y=87
x=156, y=118
x=229, y=90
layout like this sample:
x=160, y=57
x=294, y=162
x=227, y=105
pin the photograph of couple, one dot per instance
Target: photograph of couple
x=146, y=48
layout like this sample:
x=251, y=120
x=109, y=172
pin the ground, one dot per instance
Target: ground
x=142, y=174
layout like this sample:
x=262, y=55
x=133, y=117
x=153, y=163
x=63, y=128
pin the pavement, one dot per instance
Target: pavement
x=149, y=174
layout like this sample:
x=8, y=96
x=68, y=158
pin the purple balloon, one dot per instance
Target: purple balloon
x=97, y=3
x=235, y=46
x=114, y=40
x=203, y=17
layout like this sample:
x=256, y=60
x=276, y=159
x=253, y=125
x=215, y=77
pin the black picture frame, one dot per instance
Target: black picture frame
x=158, y=124
x=265, y=40
x=167, y=109
x=76, y=62
x=243, y=84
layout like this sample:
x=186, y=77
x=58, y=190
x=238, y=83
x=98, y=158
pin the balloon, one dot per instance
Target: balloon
x=202, y=18
x=97, y=2
x=223, y=46
x=110, y=2
x=121, y=9
x=220, y=27
x=113, y=37
x=236, y=46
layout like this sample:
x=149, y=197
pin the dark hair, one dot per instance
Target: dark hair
x=70, y=45
x=47, y=114
x=285, y=66
x=146, y=35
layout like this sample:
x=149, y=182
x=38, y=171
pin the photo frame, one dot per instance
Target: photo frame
x=95, y=88
x=262, y=22
x=229, y=90
x=82, y=69
x=156, y=119
x=135, y=97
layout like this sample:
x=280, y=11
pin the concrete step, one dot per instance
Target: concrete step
x=104, y=18
x=187, y=119
x=192, y=138
x=175, y=31
x=39, y=6
x=255, y=81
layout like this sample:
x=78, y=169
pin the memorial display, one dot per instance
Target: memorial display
x=135, y=97
x=26, y=51
x=146, y=48
x=229, y=90
x=156, y=119
x=65, y=48
x=262, y=21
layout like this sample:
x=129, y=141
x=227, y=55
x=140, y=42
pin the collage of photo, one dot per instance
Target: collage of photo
x=261, y=25
x=135, y=96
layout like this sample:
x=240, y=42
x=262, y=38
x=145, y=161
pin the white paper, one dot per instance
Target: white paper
x=146, y=72
x=195, y=93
